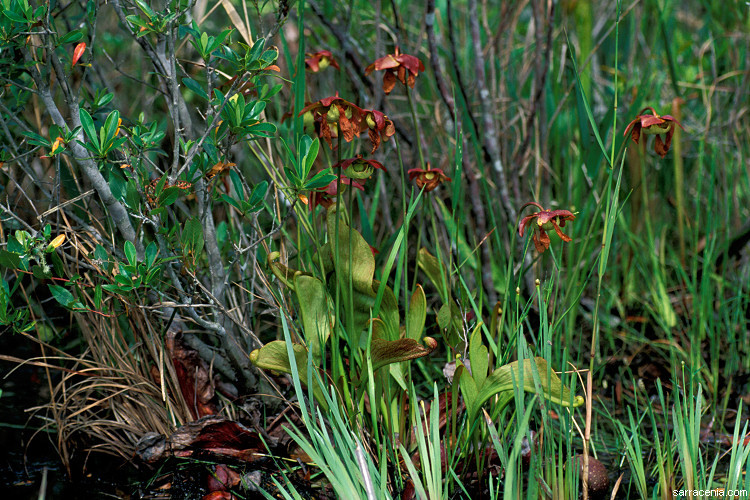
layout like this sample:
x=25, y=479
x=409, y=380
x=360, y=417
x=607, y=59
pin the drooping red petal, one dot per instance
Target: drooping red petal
x=411, y=80
x=401, y=74
x=562, y=235
x=326, y=133
x=635, y=123
x=347, y=127
x=636, y=134
x=390, y=129
x=662, y=147
x=78, y=52
x=374, y=139
x=541, y=240
x=525, y=223
x=389, y=81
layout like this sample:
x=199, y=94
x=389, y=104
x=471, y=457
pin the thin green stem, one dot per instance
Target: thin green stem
x=606, y=242
x=413, y=110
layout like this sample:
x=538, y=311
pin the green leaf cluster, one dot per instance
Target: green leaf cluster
x=478, y=385
x=105, y=141
x=302, y=164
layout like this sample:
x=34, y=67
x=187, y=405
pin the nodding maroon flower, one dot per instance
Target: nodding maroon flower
x=335, y=115
x=545, y=221
x=359, y=168
x=653, y=125
x=428, y=178
x=325, y=196
x=379, y=127
x=320, y=60
x=397, y=66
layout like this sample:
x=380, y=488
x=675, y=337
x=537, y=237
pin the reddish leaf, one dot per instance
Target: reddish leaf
x=196, y=384
x=213, y=434
x=223, y=478
x=78, y=52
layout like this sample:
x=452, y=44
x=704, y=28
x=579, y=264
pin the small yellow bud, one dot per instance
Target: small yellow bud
x=56, y=242
x=57, y=146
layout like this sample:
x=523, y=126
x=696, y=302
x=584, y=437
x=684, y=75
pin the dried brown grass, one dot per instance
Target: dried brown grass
x=121, y=385
x=114, y=393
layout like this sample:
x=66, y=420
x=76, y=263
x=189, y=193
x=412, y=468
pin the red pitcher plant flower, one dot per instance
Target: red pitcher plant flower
x=397, y=66
x=545, y=220
x=325, y=196
x=320, y=60
x=653, y=125
x=428, y=178
x=379, y=127
x=335, y=115
x=332, y=115
x=359, y=168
